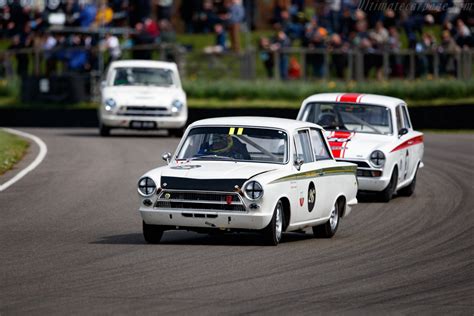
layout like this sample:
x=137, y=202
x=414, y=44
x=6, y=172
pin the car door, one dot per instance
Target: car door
x=308, y=180
x=405, y=154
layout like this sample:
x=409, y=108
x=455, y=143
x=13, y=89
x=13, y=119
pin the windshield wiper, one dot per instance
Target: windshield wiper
x=211, y=156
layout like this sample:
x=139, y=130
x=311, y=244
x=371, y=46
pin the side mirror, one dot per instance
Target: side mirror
x=103, y=84
x=402, y=132
x=167, y=157
x=298, y=163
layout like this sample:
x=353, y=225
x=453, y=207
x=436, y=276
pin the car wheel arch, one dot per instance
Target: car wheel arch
x=286, y=211
x=341, y=201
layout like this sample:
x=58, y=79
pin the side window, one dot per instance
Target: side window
x=398, y=114
x=406, y=117
x=303, y=147
x=320, y=149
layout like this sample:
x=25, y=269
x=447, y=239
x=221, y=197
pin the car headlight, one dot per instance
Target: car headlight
x=253, y=190
x=110, y=104
x=377, y=158
x=146, y=186
x=176, y=106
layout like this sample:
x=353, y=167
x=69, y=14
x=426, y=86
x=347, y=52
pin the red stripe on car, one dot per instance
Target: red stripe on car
x=411, y=142
x=337, y=141
x=349, y=97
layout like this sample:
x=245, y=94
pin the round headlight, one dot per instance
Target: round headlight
x=253, y=190
x=176, y=106
x=110, y=104
x=377, y=158
x=146, y=186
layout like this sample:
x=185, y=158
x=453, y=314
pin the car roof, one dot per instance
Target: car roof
x=144, y=63
x=355, y=98
x=272, y=122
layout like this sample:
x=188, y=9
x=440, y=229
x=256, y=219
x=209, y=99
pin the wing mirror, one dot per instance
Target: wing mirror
x=167, y=157
x=103, y=84
x=402, y=132
x=298, y=163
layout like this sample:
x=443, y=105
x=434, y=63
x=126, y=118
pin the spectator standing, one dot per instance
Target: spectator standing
x=279, y=44
x=104, y=14
x=447, y=51
x=221, y=39
x=266, y=56
x=22, y=60
x=141, y=38
x=112, y=44
x=339, y=57
x=236, y=17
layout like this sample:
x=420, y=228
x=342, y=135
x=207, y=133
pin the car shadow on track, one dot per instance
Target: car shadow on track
x=373, y=198
x=190, y=239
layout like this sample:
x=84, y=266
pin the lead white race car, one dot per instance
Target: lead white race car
x=142, y=94
x=265, y=175
x=374, y=132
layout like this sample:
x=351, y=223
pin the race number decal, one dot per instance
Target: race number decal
x=311, y=197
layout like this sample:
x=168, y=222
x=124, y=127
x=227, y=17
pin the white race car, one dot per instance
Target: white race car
x=374, y=132
x=141, y=94
x=248, y=173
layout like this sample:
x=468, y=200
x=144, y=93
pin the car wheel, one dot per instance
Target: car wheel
x=328, y=229
x=176, y=132
x=273, y=232
x=152, y=233
x=410, y=189
x=104, y=130
x=387, y=194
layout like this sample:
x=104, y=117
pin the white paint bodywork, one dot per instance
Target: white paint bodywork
x=329, y=188
x=402, y=152
x=143, y=96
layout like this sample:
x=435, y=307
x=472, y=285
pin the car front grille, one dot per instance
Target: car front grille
x=200, y=201
x=143, y=111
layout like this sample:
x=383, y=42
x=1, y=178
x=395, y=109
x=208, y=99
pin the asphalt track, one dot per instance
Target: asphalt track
x=71, y=243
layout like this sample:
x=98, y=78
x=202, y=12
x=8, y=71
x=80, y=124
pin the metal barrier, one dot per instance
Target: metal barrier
x=318, y=64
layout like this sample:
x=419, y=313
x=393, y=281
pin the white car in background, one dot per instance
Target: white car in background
x=374, y=132
x=248, y=174
x=141, y=94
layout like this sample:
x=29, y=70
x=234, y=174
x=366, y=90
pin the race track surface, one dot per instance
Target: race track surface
x=70, y=242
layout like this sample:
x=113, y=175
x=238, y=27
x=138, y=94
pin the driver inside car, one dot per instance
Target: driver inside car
x=328, y=121
x=225, y=145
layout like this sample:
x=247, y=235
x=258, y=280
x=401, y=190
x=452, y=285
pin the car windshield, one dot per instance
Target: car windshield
x=363, y=118
x=235, y=144
x=134, y=76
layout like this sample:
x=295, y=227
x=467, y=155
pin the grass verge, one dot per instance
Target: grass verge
x=12, y=150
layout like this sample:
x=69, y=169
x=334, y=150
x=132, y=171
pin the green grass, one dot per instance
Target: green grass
x=12, y=149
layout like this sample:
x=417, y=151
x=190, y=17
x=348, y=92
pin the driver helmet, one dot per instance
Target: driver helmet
x=327, y=119
x=221, y=143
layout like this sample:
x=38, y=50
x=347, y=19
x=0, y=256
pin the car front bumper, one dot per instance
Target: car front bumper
x=219, y=220
x=165, y=122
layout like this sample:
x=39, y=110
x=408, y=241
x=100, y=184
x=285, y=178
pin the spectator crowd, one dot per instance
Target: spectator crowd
x=73, y=32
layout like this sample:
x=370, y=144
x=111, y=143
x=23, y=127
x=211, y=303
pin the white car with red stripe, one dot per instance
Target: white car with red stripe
x=374, y=132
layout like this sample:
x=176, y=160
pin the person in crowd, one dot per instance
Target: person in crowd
x=22, y=59
x=266, y=56
x=104, y=15
x=463, y=35
x=221, y=41
x=165, y=9
x=141, y=39
x=151, y=27
x=112, y=45
x=338, y=51
x=447, y=52
x=280, y=43
x=235, y=17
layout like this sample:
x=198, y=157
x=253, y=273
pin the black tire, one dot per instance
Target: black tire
x=152, y=233
x=410, y=189
x=387, y=194
x=104, y=130
x=273, y=232
x=176, y=132
x=329, y=229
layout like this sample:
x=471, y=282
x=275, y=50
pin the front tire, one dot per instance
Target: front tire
x=152, y=233
x=387, y=194
x=273, y=232
x=329, y=229
x=410, y=189
x=104, y=130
